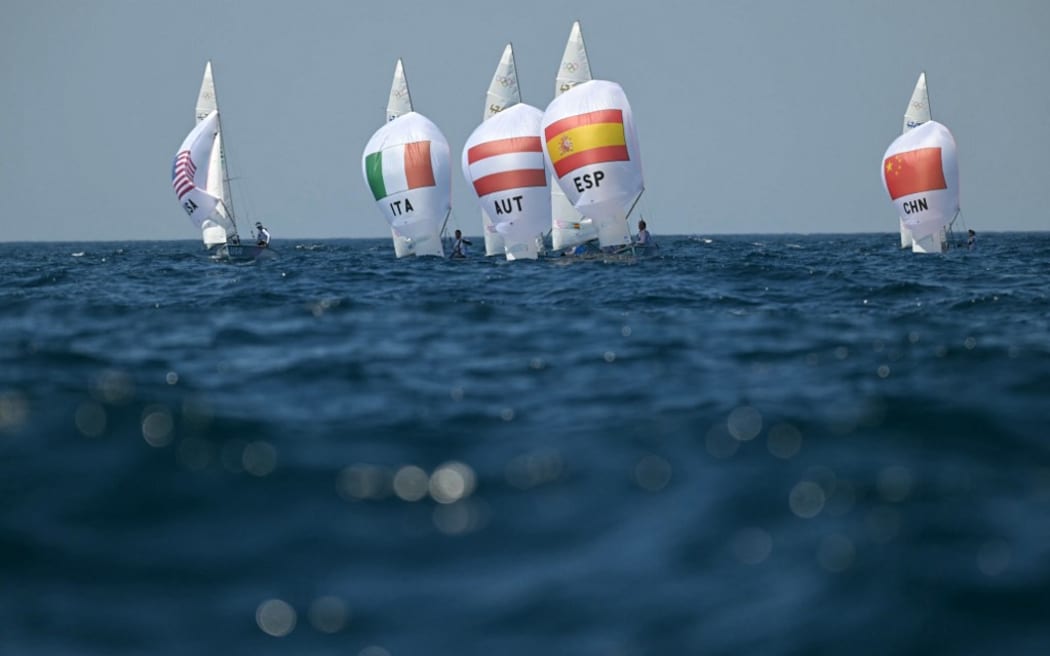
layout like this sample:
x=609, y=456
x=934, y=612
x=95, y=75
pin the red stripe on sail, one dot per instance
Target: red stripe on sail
x=913, y=172
x=419, y=172
x=504, y=147
x=590, y=118
x=591, y=156
x=510, y=180
x=182, y=174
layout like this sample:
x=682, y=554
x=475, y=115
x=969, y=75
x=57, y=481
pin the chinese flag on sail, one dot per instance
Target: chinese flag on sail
x=913, y=172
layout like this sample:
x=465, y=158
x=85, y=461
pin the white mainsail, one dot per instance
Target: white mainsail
x=218, y=183
x=568, y=227
x=400, y=102
x=592, y=148
x=917, y=113
x=406, y=166
x=920, y=172
x=503, y=92
x=190, y=174
x=503, y=162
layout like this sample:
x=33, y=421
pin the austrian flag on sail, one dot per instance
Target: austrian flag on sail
x=399, y=168
x=583, y=139
x=505, y=164
x=914, y=172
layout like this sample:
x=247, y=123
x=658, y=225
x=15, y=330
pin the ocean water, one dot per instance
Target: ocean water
x=766, y=444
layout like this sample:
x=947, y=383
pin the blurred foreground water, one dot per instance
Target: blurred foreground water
x=771, y=444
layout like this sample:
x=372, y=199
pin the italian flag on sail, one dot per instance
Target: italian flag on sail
x=399, y=168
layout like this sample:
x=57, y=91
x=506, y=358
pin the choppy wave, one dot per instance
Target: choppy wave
x=746, y=444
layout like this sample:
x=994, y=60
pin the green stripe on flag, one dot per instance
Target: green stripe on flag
x=374, y=171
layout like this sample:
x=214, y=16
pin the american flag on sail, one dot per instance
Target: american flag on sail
x=182, y=174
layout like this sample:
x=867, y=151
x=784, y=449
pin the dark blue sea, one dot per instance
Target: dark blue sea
x=765, y=444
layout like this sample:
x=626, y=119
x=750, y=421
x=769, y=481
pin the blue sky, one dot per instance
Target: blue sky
x=753, y=116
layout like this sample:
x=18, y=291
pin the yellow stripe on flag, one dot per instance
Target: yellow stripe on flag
x=583, y=138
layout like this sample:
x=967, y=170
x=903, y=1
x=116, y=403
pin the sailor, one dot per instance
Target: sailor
x=971, y=240
x=643, y=234
x=262, y=235
x=459, y=249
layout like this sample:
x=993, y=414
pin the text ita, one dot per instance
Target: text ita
x=507, y=205
x=588, y=180
x=399, y=207
x=913, y=206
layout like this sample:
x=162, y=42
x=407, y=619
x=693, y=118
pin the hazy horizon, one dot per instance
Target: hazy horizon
x=753, y=117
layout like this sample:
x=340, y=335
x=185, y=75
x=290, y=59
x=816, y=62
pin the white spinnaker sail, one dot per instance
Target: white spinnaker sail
x=406, y=166
x=592, y=148
x=920, y=172
x=568, y=227
x=189, y=179
x=400, y=102
x=218, y=183
x=917, y=113
x=504, y=165
x=503, y=93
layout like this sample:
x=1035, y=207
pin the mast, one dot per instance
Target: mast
x=227, y=192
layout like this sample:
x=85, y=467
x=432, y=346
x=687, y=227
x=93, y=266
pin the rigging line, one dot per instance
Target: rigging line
x=442, y=236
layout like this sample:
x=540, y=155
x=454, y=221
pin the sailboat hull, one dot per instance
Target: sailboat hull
x=933, y=243
x=243, y=252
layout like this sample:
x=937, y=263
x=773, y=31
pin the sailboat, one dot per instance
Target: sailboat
x=920, y=172
x=406, y=165
x=503, y=93
x=592, y=148
x=202, y=184
x=503, y=162
x=917, y=113
x=569, y=228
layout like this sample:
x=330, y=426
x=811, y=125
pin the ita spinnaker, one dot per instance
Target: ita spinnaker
x=406, y=167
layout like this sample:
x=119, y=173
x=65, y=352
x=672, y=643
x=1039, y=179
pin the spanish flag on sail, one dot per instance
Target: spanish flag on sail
x=583, y=139
x=913, y=172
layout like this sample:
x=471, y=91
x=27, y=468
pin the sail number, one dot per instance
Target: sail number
x=399, y=207
x=588, y=180
x=507, y=205
x=913, y=206
x=189, y=206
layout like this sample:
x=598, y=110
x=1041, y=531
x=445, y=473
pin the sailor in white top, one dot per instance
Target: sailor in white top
x=643, y=234
x=459, y=249
x=262, y=235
